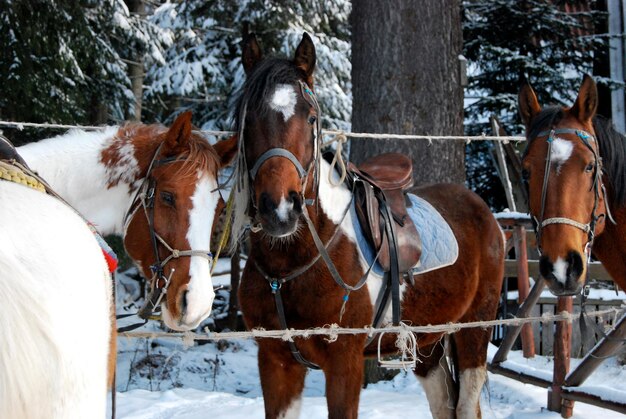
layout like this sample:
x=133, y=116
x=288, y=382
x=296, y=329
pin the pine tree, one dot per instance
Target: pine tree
x=203, y=67
x=63, y=59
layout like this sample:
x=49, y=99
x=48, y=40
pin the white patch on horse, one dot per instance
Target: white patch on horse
x=200, y=294
x=472, y=381
x=293, y=410
x=333, y=201
x=561, y=151
x=560, y=270
x=437, y=384
x=282, y=212
x=72, y=165
x=284, y=100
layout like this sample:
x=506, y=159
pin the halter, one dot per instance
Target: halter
x=590, y=227
x=144, y=198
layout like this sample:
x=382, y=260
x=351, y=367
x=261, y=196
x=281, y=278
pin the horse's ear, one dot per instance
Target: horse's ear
x=528, y=104
x=251, y=53
x=305, y=57
x=177, y=137
x=227, y=149
x=587, y=101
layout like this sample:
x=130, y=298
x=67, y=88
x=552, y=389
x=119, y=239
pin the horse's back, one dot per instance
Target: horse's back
x=55, y=301
x=468, y=215
x=474, y=281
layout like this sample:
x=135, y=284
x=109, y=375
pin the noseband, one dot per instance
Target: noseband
x=590, y=227
x=144, y=198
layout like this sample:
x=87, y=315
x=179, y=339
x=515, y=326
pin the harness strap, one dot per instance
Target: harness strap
x=283, y=325
x=394, y=268
x=562, y=220
x=277, y=152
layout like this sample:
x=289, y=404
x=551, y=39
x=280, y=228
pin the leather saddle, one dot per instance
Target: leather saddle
x=383, y=181
x=8, y=152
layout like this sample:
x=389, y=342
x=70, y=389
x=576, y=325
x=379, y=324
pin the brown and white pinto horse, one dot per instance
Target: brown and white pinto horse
x=276, y=111
x=583, y=188
x=157, y=187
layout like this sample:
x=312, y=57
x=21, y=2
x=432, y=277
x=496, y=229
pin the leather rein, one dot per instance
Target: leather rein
x=160, y=281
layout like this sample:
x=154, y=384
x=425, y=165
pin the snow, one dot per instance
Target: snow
x=164, y=378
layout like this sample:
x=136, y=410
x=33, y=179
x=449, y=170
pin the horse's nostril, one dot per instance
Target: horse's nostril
x=183, y=303
x=266, y=204
x=296, y=199
x=575, y=264
x=546, y=268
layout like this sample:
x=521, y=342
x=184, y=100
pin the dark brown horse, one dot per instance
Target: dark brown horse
x=277, y=110
x=584, y=184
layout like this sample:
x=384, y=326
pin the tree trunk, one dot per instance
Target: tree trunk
x=135, y=67
x=406, y=80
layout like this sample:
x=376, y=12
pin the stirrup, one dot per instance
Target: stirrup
x=408, y=358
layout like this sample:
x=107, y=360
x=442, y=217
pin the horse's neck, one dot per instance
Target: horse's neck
x=72, y=165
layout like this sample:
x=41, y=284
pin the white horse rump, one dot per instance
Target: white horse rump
x=55, y=299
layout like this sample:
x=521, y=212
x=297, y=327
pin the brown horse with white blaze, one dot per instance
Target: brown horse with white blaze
x=156, y=187
x=575, y=168
x=277, y=120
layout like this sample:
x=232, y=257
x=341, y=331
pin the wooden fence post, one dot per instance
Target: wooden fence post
x=562, y=353
x=528, y=340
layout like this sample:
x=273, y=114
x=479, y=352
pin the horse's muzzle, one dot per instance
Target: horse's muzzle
x=280, y=219
x=563, y=276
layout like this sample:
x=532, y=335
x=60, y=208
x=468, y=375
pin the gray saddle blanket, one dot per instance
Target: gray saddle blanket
x=439, y=245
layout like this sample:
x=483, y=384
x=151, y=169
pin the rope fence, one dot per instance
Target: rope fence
x=337, y=134
x=333, y=331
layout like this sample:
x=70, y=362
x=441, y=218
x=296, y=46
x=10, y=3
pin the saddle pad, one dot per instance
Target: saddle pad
x=439, y=246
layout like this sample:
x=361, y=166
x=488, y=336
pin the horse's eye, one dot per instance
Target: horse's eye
x=168, y=198
x=590, y=167
x=525, y=175
x=312, y=119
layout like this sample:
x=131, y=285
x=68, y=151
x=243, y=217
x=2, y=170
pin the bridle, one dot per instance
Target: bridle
x=144, y=199
x=598, y=187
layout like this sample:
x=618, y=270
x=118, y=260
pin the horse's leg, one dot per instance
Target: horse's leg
x=282, y=380
x=434, y=376
x=471, y=352
x=344, y=376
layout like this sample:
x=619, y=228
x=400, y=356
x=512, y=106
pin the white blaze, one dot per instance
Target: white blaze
x=561, y=150
x=200, y=293
x=284, y=100
x=560, y=270
x=282, y=212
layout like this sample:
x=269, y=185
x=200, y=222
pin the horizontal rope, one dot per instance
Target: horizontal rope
x=358, y=135
x=333, y=331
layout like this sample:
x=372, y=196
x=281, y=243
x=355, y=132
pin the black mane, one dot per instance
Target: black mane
x=266, y=76
x=612, y=146
x=613, y=152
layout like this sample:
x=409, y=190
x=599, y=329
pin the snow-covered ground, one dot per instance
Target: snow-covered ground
x=161, y=378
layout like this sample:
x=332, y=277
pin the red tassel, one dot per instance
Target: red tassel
x=111, y=261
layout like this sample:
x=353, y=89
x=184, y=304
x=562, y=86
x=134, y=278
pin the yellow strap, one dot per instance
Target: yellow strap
x=16, y=175
x=226, y=232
